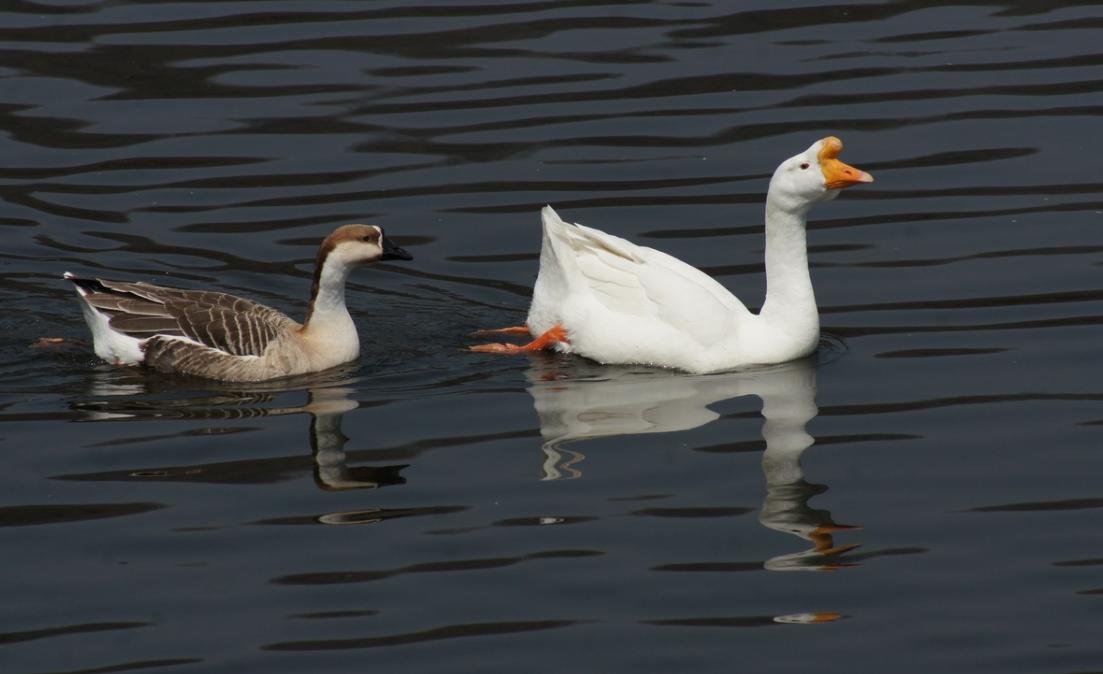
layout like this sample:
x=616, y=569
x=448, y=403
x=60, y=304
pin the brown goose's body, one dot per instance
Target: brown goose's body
x=219, y=336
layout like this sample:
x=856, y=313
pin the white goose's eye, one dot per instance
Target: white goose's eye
x=804, y=166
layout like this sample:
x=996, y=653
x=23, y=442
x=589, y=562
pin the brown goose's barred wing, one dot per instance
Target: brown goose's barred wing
x=179, y=356
x=236, y=326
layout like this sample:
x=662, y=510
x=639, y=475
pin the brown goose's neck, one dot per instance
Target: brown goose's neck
x=327, y=291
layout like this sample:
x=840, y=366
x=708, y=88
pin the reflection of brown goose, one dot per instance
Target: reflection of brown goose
x=327, y=406
x=128, y=399
x=220, y=336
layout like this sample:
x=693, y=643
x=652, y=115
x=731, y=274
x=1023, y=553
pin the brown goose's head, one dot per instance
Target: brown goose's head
x=347, y=247
x=357, y=244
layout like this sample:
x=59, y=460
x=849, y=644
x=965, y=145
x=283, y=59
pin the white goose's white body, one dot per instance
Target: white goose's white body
x=613, y=301
x=624, y=303
x=220, y=336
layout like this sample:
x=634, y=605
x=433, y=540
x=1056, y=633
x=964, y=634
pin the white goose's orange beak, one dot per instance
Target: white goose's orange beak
x=836, y=174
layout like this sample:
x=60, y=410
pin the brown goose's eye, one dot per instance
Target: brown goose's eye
x=804, y=166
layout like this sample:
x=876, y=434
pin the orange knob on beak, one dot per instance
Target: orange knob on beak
x=836, y=174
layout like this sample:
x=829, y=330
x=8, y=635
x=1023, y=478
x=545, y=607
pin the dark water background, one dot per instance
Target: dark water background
x=431, y=510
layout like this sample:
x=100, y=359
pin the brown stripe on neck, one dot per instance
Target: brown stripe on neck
x=328, y=244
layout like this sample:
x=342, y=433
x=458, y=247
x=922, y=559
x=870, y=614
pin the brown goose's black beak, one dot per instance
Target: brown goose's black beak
x=393, y=252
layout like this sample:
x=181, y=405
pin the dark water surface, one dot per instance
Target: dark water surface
x=431, y=510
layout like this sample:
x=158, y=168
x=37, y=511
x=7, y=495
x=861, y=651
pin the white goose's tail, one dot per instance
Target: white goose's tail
x=570, y=256
x=581, y=238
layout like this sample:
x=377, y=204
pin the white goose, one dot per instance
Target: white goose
x=219, y=336
x=610, y=300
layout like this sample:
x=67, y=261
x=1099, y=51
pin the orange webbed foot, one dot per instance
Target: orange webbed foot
x=57, y=342
x=513, y=330
x=545, y=341
x=496, y=348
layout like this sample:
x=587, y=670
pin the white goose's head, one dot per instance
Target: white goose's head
x=350, y=245
x=814, y=175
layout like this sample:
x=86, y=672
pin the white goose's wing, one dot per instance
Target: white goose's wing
x=641, y=282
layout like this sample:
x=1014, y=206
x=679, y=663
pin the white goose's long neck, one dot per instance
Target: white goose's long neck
x=790, y=301
x=328, y=318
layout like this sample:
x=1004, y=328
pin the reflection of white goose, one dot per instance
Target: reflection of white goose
x=624, y=401
x=788, y=404
x=597, y=401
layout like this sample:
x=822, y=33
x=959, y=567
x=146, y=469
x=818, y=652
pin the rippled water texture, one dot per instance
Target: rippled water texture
x=431, y=510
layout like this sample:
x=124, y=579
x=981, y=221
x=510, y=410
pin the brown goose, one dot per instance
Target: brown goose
x=220, y=336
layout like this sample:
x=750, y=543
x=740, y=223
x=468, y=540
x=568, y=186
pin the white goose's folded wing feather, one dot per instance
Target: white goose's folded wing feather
x=642, y=282
x=219, y=321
